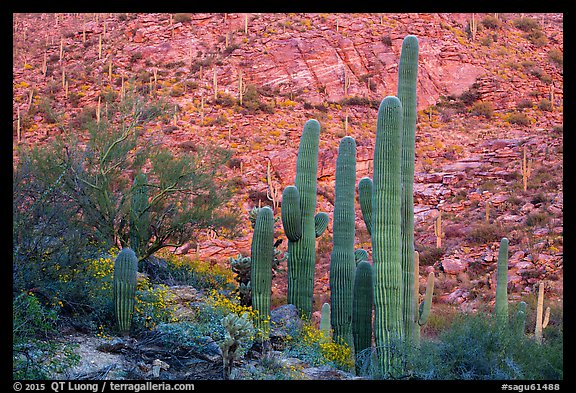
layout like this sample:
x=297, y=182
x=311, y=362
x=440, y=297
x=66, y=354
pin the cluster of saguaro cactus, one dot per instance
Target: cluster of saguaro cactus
x=386, y=202
x=301, y=226
x=124, y=287
x=390, y=285
x=342, y=258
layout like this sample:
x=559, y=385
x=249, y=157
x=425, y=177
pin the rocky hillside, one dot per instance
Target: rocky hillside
x=490, y=90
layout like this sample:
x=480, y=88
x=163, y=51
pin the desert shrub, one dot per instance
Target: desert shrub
x=37, y=353
x=475, y=348
x=182, y=18
x=517, y=118
x=483, y=108
x=537, y=38
x=490, y=22
x=429, y=255
x=313, y=346
x=524, y=104
x=556, y=56
x=545, y=104
x=526, y=24
x=202, y=275
x=481, y=233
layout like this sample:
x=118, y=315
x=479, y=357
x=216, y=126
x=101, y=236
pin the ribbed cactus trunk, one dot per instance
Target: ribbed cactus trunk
x=386, y=234
x=300, y=225
x=261, y=272
x=365, y=186
x=325, y=324
x=502, y=285
x=342, y=259
x=407, y=81
x=362, y=308
x=139, y=216
x=124, y=287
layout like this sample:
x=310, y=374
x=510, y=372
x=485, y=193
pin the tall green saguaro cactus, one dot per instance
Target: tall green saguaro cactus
x=362, y=308
x=407, y=81
x=300, y=224
x=342, y=260
x=124, y=287
x=386, y=234
x=261, y=274
x=502, y=285
x=139, y=216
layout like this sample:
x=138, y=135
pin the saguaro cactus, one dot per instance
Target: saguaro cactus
x=407, y=82
x=139, y=216
x=520, y=321
x=502, y=285
x=362, y=308
x=541, y=318
x=261, y=274
x=325, y=325
x=300, y=225
x=342, y=260
x=124, y=287
x=386, y=234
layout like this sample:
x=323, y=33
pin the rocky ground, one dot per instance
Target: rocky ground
x=334, y=67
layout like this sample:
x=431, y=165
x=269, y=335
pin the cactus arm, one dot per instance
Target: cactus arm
x=320, y=223
x=546, y=318
x=365, y=198
x=427, y=303
x=502, y=284
x=291, y=215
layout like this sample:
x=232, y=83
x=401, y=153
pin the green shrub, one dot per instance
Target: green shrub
x=37, y=352
x=475, y=348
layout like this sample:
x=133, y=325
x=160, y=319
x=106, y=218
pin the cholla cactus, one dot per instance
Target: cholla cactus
x=237, y=328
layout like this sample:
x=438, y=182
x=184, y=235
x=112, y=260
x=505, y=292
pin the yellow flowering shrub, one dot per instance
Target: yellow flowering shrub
x=200, y=274
x=312, y=345
x=153, y=305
